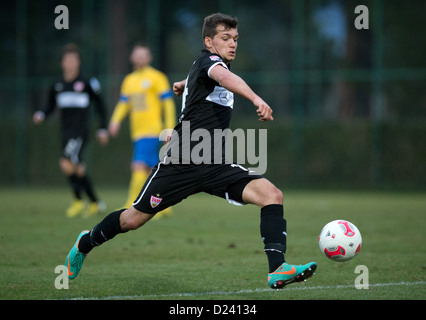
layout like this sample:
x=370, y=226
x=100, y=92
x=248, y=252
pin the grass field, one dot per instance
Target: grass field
x=212, y=250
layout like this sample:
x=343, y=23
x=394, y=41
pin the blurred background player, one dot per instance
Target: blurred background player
x=147, y=97
x=73, y=94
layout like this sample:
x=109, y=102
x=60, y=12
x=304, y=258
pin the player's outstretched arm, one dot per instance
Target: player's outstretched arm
x=234, y=83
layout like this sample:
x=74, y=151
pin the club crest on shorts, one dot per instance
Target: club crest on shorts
x=155, y=201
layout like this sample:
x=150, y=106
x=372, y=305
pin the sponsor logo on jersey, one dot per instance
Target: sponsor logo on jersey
x=79, y=86
x=215, y=58
x=146, y=84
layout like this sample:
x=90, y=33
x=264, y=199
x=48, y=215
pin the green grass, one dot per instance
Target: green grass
x=212, y=250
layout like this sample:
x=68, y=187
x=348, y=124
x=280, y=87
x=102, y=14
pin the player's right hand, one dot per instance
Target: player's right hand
x=38, y=117
x=114, y=128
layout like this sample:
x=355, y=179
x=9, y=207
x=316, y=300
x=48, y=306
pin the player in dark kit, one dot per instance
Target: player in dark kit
x=73, y=94
x=207, y=104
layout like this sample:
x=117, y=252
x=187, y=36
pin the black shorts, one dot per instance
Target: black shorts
x=72, y=148
x=169, y=184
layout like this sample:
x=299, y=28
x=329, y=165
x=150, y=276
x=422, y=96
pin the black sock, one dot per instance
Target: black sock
x=86, y=185
x=107, y=229
x=273, y=229
x=74, y=182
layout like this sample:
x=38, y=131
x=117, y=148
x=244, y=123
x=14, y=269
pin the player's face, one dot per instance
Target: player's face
x=140, y=57
x=224, y=43
x=70, y=63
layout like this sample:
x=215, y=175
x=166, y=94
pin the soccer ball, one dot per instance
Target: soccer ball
x=340, y=240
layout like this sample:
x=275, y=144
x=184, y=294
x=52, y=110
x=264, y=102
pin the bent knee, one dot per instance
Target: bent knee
x=262, y=192
x=131, y=224
x=131, y=219
x=275, y=196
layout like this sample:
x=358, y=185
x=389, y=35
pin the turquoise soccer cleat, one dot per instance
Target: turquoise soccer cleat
x=74, y=260
x=288, y=273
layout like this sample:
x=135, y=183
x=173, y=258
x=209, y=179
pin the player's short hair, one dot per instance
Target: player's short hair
x=141, y=44
x=211, y=22
x=70, y=48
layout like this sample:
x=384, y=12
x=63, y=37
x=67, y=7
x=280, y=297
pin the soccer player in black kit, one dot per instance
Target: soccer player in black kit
x=72, y=94
x=207, y=102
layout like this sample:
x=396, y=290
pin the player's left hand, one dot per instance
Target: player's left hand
x=179, y=87
x=102, y=136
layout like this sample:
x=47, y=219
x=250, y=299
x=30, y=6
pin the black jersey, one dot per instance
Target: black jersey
x=74, y=99
x=192, y=163
x=205, y=115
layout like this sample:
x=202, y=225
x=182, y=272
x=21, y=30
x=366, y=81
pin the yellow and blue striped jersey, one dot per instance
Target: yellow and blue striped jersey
x=147, y=96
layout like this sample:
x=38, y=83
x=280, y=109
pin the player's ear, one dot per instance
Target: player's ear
x=150, y=58
x=207, y=42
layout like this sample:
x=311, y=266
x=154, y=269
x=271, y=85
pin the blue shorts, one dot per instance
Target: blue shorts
x=146, y=150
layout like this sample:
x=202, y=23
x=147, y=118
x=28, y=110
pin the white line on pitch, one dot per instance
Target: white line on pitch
x=220, y=293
